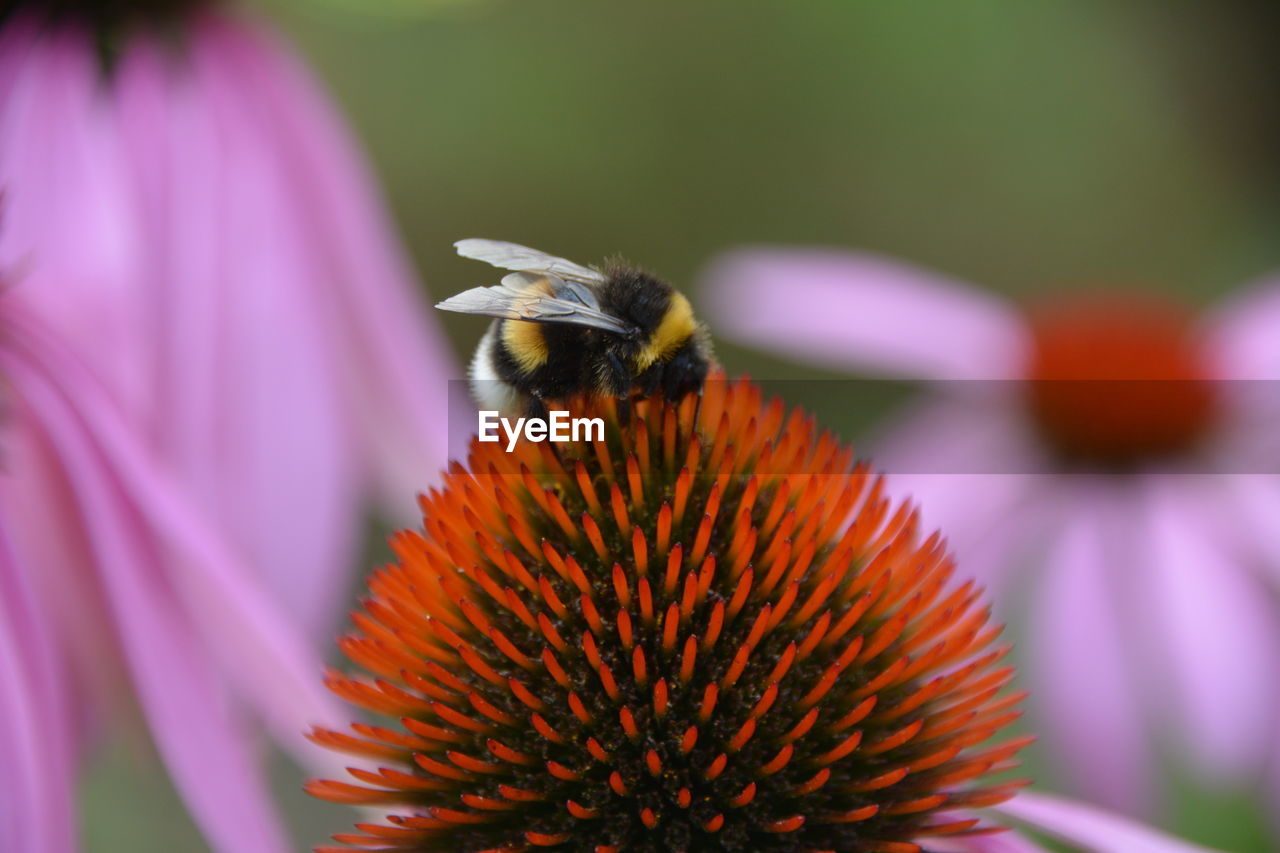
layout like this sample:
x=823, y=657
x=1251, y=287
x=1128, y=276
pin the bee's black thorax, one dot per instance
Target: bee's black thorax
x=637, y=297
x=559, y=360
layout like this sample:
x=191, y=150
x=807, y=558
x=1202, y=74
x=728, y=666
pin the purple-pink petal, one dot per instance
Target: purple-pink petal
x=1211, y=628
x=970, y=469
x=36, y=776
x=867, y=313
x=1084, y=687
x=396, y=361
x=192, y=626
x=1243, y=334
x=201, y=229
x=1090, y=828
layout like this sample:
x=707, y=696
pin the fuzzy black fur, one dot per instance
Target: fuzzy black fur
x=591, y=361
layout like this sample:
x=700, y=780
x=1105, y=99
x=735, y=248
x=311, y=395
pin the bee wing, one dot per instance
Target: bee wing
x=511, y=256
x=557, y=301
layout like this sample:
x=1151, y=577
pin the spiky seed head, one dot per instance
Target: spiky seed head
x=708, y=631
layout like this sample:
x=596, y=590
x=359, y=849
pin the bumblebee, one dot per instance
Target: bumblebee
x=564, y=330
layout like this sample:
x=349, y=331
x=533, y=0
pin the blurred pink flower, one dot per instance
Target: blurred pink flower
x=122, y=567
x=1076, y=824
x=213, y=354
x=196, y=224
x=1151, y=548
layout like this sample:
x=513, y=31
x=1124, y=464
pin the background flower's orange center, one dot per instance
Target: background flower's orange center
x=1117, y=379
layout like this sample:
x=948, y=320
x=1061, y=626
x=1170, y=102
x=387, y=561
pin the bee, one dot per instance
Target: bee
x=564, y=330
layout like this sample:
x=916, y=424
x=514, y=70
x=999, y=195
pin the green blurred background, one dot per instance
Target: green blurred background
x=1023, y=144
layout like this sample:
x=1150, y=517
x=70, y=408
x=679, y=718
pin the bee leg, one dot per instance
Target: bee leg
x=624, y=411
x=537, y=408
x=651, y=380
x=618, y=378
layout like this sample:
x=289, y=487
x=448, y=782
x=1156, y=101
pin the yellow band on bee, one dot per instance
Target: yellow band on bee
x=676, y=327
x=526, y=344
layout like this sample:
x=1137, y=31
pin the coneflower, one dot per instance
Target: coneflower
x=709, y=630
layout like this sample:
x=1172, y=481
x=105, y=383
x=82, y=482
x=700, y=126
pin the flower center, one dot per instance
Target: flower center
x=1118, y=379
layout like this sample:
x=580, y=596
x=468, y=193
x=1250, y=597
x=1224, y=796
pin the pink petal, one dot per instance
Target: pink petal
x=247, y=408
x=396, y=365
x=200, y=229
x=36, y=742
x=208, y=753
x=863, y=312
x=258, y=649
x=1083, y=687
x=69, y=238
x=1091, y=828
x=1212, y=629
x=1254, y=501
x=1243, y=335
x=964, y=460
x=1000, y=842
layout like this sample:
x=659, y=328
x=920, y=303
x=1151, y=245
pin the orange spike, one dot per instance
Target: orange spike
x=790, y=824
x=633, y=481
x=684, y=481
x=646, y=601
x=542, y=727
x=714, y=623
x=553, y=667
x=624, y=630
x=619, y=506
x=640, y=551
x=548, y=594
x=820, y=689
x=594, y=536
x=739, y=740
x=688, y=658
x=597, y=751
x=744, y=796
x=815, y=635
x=708, y=705
x=580, y=710
x=668, y=438
x=778, y=761
x=545, y=839
x=689, y=596
x=638, y=667
x=519, y=608
x=670, y=624
x=740, y=594
x=703, y=537
x=858, y=713
x=674, y=559
x=578, y=576
x=552, y=636
x=894, y=740
x=664, y=528
x=766, y=701
x=690, y=738
x=580, y=812
x=660, y=697
x=587, y=488
x=845, y=747
x=620, y=587
x=817, y=781
x=592, y=615
x=628, y=721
